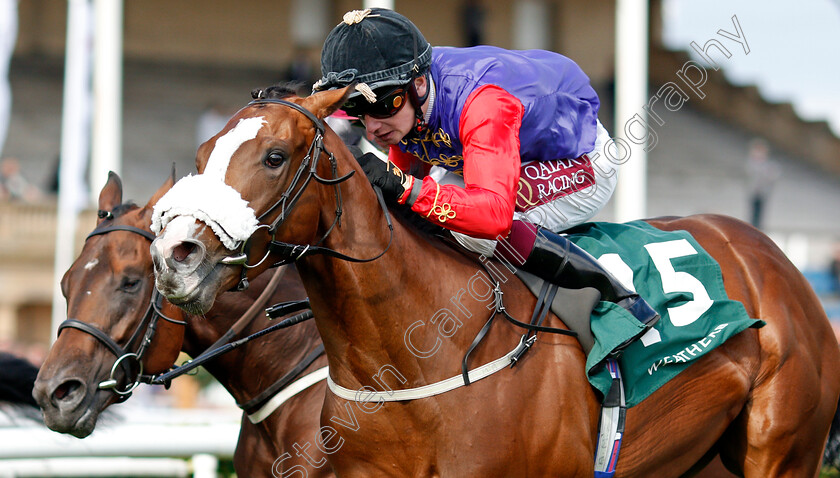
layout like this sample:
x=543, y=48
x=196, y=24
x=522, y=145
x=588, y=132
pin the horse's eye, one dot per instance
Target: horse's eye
x=274, y=159
x=129, y=285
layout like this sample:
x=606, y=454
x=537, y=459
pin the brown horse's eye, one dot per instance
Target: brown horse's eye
x=274, y=159
x=129, y=284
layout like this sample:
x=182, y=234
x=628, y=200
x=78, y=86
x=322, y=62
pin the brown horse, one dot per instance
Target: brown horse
x=109, y=287
x=764, y=399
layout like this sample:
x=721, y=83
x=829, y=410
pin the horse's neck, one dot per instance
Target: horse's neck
x=363, y=310
x=248, y=370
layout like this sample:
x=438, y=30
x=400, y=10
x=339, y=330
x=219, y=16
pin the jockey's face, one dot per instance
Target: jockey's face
x=389, y=131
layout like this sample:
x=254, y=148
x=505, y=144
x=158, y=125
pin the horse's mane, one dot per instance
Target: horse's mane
x=277, y=91
x=124, y=208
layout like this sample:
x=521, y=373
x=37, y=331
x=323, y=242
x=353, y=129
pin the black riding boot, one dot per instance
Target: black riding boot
x=561, y=262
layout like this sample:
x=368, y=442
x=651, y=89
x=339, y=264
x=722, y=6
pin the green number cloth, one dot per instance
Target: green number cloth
x=681, y=281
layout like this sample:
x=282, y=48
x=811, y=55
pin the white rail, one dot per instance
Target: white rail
x=149, y=442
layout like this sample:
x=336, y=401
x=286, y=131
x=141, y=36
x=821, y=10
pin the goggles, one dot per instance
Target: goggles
x=389, y=103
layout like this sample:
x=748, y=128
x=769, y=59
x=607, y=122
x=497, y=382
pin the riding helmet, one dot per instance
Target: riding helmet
x=377, y=47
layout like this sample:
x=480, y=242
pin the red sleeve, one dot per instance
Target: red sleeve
x=400, y=158
x=408, y=162
x=489, y=131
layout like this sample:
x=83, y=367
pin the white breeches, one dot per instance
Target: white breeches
x=566, y=211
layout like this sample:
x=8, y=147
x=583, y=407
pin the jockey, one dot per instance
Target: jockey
x=518, y=130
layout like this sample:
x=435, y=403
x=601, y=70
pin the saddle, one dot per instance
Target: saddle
x=573, y=306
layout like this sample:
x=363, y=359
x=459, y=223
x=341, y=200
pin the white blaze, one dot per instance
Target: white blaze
x=245, y=130
x=207, y=198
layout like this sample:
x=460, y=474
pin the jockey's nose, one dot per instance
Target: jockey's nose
x=372, y=124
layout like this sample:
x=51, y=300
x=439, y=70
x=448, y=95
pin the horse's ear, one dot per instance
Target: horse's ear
x=110, y=196
x=325, y=103
x=167, y=185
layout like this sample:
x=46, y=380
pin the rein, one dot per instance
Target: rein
x=255, y=404
x=147, y=327
x=252, y=311
x=208, y=355
x=306, y=172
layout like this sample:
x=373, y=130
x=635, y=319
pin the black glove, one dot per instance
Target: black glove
x=394, y=183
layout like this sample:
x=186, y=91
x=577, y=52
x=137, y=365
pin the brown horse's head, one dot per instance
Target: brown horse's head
x=264, y=176
x=108, y=290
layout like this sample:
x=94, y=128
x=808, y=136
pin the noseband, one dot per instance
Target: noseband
x=147, y=327
x=306, y=172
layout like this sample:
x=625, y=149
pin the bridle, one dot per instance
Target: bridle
x=306, y=172
x=127, y=361
x=131, y=363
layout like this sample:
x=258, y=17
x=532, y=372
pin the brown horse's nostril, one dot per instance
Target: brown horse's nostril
x=66, y=389
x=182, y=251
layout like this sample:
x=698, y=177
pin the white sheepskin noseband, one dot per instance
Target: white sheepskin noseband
x=210, y=201
x=207, y=198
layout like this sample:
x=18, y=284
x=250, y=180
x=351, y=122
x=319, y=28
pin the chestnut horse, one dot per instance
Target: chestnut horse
x=286, y=188
x=110, y=286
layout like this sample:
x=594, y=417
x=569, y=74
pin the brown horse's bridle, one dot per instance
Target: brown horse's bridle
x=126, y=360
x=306, y=172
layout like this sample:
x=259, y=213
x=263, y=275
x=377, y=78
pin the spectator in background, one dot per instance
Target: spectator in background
x=8, y=36
x=301, y=71
x=472, y=22
x=761, y=176
x=13, y=186
x=54, y=177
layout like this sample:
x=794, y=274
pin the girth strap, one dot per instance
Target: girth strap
x=257, y=402
x=541, y=310
x=287, y=393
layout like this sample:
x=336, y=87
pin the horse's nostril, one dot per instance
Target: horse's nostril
x=66, y=389
x=182, y=251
